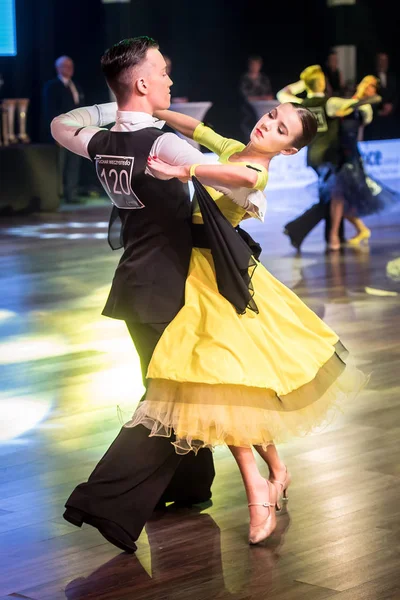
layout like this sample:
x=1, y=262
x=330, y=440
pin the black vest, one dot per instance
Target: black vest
x=149, y=282
x=325, y=148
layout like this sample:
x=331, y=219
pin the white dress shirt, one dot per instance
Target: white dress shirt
x=383, y=78
x=70, y=84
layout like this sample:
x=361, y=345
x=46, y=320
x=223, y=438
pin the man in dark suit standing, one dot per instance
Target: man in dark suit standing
x=60, y=95
x=384, y=125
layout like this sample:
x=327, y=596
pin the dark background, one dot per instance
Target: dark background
x=208, y=42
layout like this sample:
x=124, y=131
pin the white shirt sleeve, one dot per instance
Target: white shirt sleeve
x=334, y=104
x=283, y=96
x=289, y=93
x=256, y=205
x=175, y=151
x=75, y=129
x=253, y=202
x=367, y=114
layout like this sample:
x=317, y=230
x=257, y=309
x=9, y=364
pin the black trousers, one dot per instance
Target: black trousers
x=138, y=471
x=299, y=228
x=69, y=165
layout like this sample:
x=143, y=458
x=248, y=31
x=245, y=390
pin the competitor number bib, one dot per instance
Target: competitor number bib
x=115, y=175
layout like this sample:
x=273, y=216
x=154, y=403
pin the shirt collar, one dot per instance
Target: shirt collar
x=137, y=120
x=64, y=80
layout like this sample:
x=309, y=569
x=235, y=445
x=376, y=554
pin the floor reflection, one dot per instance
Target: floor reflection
x=184, y=559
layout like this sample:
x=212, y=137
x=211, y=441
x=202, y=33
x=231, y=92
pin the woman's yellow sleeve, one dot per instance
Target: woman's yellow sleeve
x=211, y=140
x=262, y=176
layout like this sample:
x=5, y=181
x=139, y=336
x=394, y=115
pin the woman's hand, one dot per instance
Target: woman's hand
x=163, y=170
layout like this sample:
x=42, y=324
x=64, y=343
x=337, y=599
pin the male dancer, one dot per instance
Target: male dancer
x=323, y=153
x=138, y=471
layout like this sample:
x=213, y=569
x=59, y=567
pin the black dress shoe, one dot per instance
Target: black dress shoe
x=191, y=504
x=294, y=243
x=112, y=532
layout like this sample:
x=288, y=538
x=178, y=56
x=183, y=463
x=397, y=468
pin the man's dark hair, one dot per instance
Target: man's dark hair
x=119, y=60
x=255, y=57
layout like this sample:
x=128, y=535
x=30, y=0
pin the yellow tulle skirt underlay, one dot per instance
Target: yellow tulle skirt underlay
x=217, y=377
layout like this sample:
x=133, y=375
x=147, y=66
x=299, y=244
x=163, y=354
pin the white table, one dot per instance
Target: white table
x=261, y=107
x=197, y=110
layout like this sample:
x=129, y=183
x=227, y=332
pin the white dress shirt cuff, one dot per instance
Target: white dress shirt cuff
x=256, y=205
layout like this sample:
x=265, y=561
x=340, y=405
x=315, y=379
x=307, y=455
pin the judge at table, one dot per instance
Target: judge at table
x=254, y=85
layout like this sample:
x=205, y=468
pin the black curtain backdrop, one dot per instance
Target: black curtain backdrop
x=208, y=42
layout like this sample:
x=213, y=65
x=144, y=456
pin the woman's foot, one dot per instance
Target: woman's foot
x=334, y=243
x=363, y=235
x=281, y=479
x=262, y=512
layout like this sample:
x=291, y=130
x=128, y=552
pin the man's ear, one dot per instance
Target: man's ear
x=141, y=86
x=289, y=151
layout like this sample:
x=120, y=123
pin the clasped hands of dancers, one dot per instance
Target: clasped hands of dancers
x=216, y=371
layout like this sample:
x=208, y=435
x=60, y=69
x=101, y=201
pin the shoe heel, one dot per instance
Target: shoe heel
x=73, y=516
x=282, y=508
x=282, y=500
x=284, y=505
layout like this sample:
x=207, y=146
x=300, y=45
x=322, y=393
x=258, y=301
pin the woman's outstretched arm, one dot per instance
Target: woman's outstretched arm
x=178, y=121
x=233, y=176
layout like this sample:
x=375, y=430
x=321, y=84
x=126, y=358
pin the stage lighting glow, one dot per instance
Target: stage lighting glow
x=6, y=314
x=121, y=383
x=27, y=349
x=19, y=415
x=120, y=387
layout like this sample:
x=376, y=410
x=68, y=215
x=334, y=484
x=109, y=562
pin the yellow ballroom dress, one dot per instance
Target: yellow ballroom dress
x=219, y=377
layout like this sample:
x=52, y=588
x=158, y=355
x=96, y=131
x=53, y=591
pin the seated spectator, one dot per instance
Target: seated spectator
x=254, y=84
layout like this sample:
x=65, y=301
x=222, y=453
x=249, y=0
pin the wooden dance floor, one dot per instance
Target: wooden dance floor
x=70, y=376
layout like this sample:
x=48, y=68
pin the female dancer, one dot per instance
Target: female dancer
x=324, y=153
x=354, y=194
x=249, y=379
